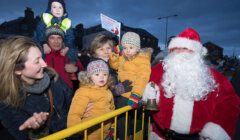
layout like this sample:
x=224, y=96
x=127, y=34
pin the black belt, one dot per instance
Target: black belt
x=172, y=135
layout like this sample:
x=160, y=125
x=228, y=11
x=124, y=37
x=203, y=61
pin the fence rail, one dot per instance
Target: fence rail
x=98, y=120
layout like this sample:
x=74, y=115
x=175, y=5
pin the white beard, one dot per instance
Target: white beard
x=187, y=76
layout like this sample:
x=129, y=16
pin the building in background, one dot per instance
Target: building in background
x=214, y=51
x=26, y=26
x=21, y=26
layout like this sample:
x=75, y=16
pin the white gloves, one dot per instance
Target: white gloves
x=151, y=92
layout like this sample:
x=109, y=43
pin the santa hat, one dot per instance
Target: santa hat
x=54, y=30
x=189, y=39
x=60, y=1
x=131, y=38
x=97, y=66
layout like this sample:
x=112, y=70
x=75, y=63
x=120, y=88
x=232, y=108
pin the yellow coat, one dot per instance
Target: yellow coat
x=103, y=102
x=136, y=69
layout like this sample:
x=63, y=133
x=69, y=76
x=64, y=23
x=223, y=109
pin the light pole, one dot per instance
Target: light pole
x=166, y=17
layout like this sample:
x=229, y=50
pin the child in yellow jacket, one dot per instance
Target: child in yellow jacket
x=134, y=65
x=93, y=89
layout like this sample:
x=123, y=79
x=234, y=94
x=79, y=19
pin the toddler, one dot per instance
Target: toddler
x=56, y=14
x=134, y=65
x=93, y=89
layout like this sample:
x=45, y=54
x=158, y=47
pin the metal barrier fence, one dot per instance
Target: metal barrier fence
x=82, y=127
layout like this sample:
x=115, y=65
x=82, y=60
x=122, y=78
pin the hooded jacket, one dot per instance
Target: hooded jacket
x=102, y=100
x=136, y=69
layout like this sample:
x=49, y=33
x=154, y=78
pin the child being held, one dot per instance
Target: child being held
x=134, y=65
x=93, y=89
x=56, y=14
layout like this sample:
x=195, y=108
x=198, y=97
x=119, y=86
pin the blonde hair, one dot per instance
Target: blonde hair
x=98, y=42
x=13, y=55
x=85, y=79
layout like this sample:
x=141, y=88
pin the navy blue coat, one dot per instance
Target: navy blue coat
x=69, y=38
x=12, y=118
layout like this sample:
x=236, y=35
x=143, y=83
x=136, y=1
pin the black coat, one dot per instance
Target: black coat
x=12, y=118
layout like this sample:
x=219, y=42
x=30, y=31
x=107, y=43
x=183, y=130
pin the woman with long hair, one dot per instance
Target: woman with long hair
x=34, y=101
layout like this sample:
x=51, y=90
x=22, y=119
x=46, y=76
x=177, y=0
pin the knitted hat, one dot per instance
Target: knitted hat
x=54, y=30
x=131, y=38
x=97, y=66
x=189, y=39
x=60, y=1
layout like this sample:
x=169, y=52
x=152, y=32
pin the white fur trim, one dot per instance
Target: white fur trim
x=214, y=132
x=181, y=42
x=182, y=115
x=151, y=92
x=154, y=136
x=204, y=51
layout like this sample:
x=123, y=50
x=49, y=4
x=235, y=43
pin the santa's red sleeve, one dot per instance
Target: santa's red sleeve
x=156, y=74
x=226, y=111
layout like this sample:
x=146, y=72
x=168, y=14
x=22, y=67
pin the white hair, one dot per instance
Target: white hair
x=187, y=75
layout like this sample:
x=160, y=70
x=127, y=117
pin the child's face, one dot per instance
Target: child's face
x=100, y=78
x=104, y=52
x=129, y=50
x=57, y=9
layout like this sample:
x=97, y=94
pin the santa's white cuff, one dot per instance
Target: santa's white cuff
x=214, y=132
x=151, y=92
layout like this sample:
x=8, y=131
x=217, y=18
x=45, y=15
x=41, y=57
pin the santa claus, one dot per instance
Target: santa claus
x=195, y=101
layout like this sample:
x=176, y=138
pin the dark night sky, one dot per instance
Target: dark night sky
x=217, y=21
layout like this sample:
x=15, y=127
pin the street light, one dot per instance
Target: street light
x=166, y=17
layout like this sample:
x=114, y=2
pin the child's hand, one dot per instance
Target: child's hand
x=122, y=87
x=46, y=49
x=64, y=51
x=71, y=68
x=127, y=85
x=86, y=113
x=118, y=49
x=133, y=100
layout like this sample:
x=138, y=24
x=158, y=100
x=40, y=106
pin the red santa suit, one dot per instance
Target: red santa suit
x=214, y=117
x=218, y=113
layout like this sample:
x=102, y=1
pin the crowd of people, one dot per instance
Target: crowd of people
x=38, y=95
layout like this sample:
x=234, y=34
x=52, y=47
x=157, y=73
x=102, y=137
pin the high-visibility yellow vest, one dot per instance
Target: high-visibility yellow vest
x=64, y=25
